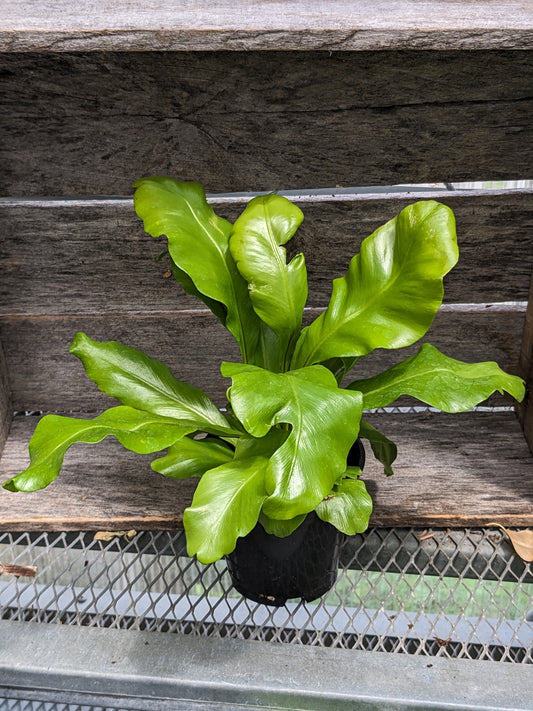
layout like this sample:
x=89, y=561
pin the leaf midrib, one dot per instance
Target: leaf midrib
x=349, y=317
x=282, y=269
x=426, y=371
x=244, y=482
x=296, y=432
x=236, y=301
x=159, y=390
x=380, y=292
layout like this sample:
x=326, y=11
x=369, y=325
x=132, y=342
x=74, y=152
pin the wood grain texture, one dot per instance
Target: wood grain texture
x=86, y=259
x=452, y=470
x=91, y=123
x=526, y=371
x=259, y=24
x=44, y=376
x=6, y=408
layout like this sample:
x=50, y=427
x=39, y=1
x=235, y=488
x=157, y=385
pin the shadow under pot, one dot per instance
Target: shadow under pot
x=271, y=570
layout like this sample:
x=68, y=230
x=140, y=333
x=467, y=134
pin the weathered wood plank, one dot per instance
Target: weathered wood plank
x=6, y=408
x=44, y=376
x=84, y=258
x=526, y=371
x=89, y=124
x=455, y=470
x=257, y=24
x=452, y=470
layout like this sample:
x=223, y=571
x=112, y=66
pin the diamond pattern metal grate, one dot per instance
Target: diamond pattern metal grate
x=446, y=593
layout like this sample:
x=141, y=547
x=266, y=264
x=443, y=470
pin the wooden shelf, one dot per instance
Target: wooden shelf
x=452, y=470
x=258, y=25
x=93, y=100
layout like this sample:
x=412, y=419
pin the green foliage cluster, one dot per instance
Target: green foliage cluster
x=280, y=449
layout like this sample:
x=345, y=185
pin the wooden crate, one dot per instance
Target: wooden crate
x=264, y=97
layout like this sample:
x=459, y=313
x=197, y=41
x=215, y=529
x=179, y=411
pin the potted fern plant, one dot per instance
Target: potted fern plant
x=280, y=468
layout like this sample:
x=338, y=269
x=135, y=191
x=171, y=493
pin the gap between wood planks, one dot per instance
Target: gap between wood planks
x=348, y=194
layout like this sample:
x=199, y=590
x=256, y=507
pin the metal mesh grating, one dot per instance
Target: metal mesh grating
x=447, y=593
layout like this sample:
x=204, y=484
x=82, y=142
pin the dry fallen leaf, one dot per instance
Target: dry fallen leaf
x=522, y=541
x=443, y=642
x=109, y=535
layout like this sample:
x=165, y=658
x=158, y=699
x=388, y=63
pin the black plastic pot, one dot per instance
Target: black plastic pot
x=271, y=570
